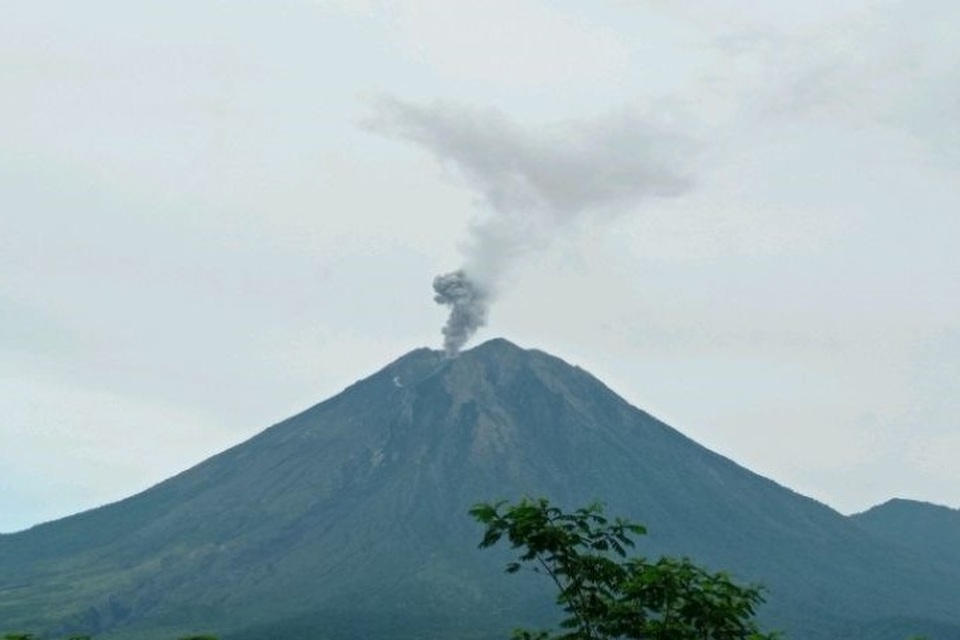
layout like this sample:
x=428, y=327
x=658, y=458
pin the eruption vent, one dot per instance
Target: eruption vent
x=468, y=308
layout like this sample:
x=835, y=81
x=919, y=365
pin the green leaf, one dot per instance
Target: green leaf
x=607, y=595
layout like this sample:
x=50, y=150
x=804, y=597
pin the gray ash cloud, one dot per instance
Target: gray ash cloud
x=468, y=308
x=533, y=182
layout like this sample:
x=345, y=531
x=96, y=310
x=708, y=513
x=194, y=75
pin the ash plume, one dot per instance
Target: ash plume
x=533, y=182
x=468, y=308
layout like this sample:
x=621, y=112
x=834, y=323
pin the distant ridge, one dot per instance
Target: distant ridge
x=349, y=520
x=930, y=530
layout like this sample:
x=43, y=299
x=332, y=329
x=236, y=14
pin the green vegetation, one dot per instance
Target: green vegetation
x=607, y=595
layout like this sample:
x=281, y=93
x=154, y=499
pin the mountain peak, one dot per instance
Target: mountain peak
x=498, y=346
x=424, y=358
x=495, y=362
x=929, y=528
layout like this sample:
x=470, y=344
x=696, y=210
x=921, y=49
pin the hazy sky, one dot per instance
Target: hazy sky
x=742, y=216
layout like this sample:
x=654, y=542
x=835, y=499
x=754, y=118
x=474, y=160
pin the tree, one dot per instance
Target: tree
x=607, y=595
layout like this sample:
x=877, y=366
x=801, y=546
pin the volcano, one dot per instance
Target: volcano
x=350, y=520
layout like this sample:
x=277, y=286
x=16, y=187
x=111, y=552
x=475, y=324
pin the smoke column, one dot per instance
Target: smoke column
x=468, y=308
x=533, y=183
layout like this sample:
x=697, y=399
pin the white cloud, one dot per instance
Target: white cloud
x=533, y=181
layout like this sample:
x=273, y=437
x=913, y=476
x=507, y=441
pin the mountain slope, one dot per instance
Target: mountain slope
x=926, y=529
x=349, y=519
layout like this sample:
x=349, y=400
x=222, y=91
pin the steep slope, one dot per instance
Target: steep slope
x=349, y=519
x=930, y=530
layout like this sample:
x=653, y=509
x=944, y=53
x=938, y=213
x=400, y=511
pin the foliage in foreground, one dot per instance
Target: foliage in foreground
x=607, y=595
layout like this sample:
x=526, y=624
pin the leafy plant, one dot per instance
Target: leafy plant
x=607, y=595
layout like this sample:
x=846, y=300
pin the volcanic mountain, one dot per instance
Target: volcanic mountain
x=350, y=520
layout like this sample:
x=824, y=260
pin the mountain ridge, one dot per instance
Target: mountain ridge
x=355, y=509
x=925, y=528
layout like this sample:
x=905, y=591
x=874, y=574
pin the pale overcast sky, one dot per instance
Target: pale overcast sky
x=742, y=216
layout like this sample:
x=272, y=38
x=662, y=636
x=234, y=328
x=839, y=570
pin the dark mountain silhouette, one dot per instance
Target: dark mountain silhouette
x=349, y=520
x=930, y=530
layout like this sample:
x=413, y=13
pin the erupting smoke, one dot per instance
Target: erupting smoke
x=468, y=308
x=535, y=182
